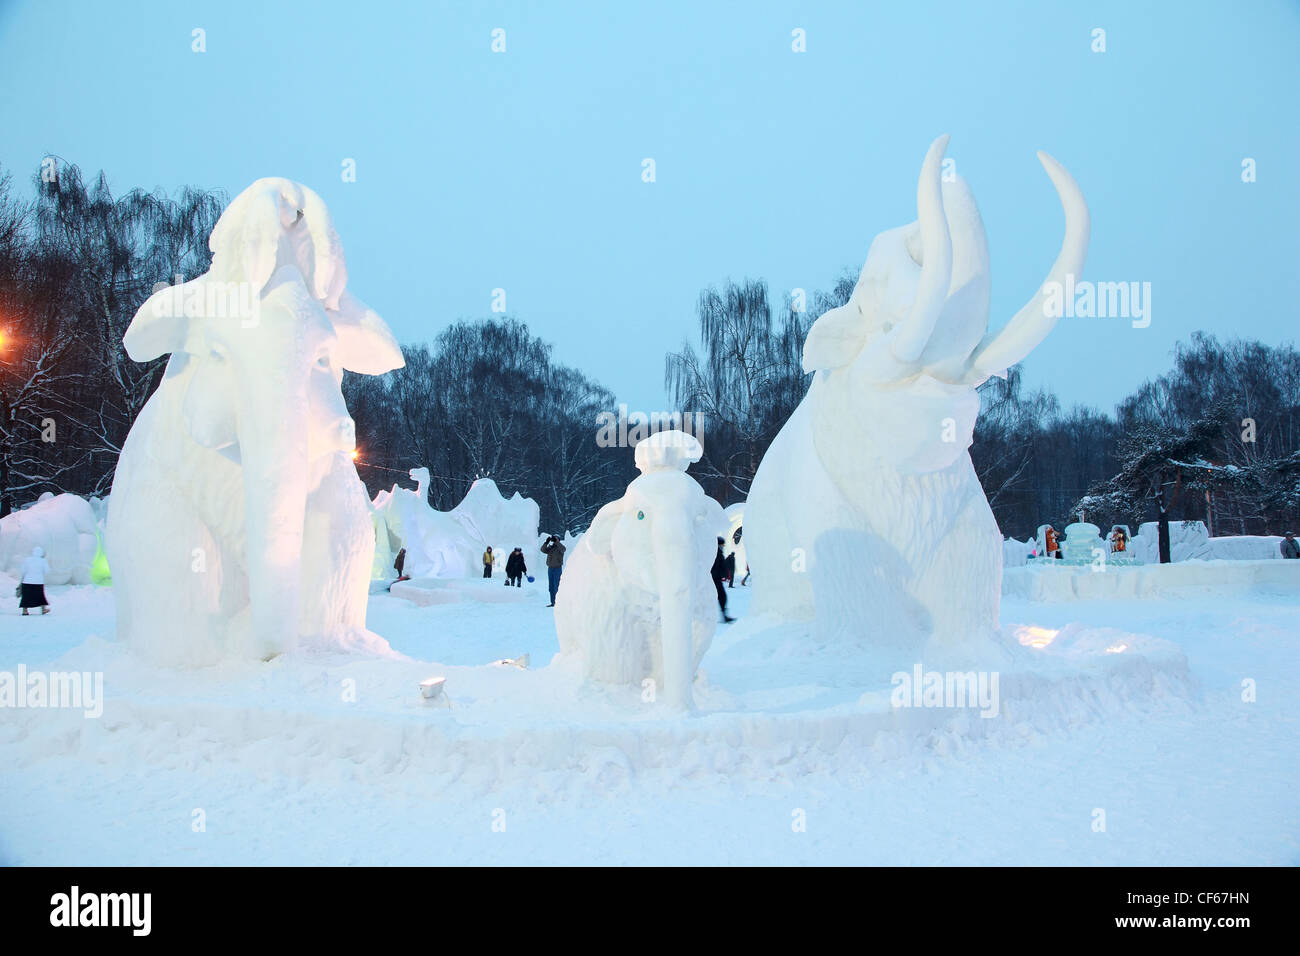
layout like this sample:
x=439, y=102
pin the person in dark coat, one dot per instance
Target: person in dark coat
x=731, y=570
x=515, y=568
x=716, y=572
x=554, y=552
x=400, y=563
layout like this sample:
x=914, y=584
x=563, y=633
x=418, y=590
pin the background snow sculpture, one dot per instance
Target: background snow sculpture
x=504, y=523
x=1015, y=554
x=65, y=526
x=736, y=522
x=1188, y=541
x=437, y=545
x=636, y=599
x=238, y=525
x=1079, y=541
x=866, y=512
x=450, y=544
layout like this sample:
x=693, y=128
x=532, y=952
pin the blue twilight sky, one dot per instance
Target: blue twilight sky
x=522, y=170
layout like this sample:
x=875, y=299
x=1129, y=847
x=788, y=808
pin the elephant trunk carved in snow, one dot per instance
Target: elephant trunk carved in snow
x=866, y=512
x=239, y=522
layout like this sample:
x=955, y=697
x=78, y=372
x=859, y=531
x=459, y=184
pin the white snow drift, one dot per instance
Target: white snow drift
x=64, y=526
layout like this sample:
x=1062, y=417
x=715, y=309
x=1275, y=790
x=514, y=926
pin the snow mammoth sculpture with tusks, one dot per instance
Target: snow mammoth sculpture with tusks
x=636, y=600
x=240, y=526
x=866, y=513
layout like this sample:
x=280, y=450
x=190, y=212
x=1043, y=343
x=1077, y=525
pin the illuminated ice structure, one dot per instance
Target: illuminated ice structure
x=238, y=527
x=866, y=515
x=636, y=601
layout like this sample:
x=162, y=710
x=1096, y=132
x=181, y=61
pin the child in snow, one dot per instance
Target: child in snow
x=35, y=567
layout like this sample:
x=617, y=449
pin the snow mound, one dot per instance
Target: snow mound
x=1015, y=554
x=505, y=725
x=426, y=592
x=1246, y=547
x=65, y=526
x=1050, y=581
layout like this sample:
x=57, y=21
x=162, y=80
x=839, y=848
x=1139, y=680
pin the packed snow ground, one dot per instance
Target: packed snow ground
x=285, y=771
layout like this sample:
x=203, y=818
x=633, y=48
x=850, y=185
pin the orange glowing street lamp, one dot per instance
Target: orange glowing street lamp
x=356, y=452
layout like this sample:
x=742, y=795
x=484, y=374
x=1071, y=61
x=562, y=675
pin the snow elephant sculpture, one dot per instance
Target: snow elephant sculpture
x=239, y=525
x=866, y=514
x=636, y=600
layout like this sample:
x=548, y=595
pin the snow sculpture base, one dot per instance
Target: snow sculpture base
x=1049, y=582
x=774, y=707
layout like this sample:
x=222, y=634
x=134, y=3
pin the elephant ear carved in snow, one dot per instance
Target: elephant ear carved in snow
x=241, y=525
x=866, y=512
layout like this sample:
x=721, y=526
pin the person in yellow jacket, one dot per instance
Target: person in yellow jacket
x=487, y=562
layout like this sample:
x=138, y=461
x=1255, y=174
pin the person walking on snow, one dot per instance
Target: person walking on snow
x=487, y=562
x=515, y=568
x=35, y=567
x=554, y=552
x=716, y=572
x=1289, y=546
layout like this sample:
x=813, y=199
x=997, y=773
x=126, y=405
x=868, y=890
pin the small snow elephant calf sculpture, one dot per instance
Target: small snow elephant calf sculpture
x=239, y=524
x=636, y=600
